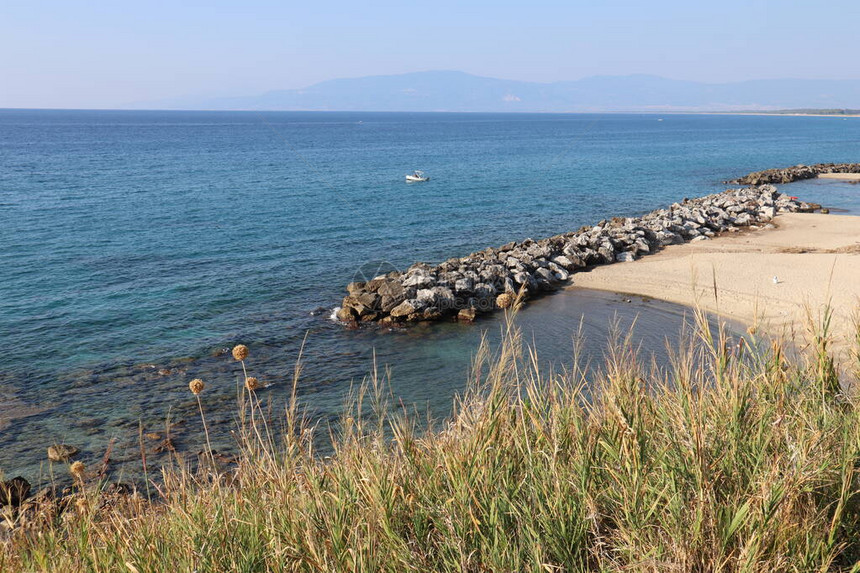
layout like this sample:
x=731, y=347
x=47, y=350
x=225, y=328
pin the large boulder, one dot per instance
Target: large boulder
x=444, y=299
x=464, y=285
x=419, y=280
x=405, y=308
x=524, y=279
x=346, y=314
x=467, y=314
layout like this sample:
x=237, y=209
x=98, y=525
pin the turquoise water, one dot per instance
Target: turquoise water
x=139, y=242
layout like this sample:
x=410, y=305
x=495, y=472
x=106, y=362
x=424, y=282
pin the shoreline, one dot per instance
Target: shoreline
x=462, y=288
x=769, y=278
x=840, y=176
x=776, y=114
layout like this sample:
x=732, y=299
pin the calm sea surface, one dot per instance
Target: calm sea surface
x=136, y=246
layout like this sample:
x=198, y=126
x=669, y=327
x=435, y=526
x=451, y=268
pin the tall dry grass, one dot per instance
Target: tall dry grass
x=734, y=458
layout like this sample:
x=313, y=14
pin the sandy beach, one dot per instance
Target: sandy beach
x=776, y=114
x=840, y=176
x=769, y=277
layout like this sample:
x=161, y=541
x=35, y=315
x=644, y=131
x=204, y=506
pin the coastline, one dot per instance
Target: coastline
x=814, y=257
x=840, y=176
x=776, y=114
x=484, y=281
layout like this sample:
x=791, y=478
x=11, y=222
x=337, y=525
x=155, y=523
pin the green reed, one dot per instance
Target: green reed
x=733, y=458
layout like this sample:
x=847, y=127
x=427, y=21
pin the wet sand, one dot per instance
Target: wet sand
x=770, y=278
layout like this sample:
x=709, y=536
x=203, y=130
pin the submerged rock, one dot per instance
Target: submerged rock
x=61, y=452
x=467, y=315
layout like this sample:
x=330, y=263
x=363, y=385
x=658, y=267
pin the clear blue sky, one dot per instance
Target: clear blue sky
x=113, y=53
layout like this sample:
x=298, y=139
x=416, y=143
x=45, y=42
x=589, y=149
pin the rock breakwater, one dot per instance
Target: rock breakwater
x=794, y=173
x=462, y=288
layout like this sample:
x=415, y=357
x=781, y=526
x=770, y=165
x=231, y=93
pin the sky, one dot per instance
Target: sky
x=99, y=54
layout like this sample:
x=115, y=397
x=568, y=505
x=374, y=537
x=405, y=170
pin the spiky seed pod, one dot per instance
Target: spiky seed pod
x=240, y=352
x=196, y=386
x=77, y=469
x=251, y=383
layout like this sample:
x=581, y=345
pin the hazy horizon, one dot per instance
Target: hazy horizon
x=108, y=55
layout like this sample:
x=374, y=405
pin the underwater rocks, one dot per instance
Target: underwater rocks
x=795, y=173
x=463, y=288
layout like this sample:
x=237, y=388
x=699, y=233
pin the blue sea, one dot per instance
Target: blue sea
x=135, y=247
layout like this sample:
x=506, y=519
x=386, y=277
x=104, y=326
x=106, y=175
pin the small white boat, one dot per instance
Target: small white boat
x=416, y=177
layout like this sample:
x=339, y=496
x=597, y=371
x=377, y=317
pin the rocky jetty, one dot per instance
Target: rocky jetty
x=463, y=288
x=795, y=173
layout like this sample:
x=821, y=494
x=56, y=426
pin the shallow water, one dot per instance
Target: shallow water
x=841, y=197
x=426, y=366
x=138, y=242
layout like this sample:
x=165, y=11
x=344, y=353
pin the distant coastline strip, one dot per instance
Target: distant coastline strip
x=795, y=173
x=463, y=288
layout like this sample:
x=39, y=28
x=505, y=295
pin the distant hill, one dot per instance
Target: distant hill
x=458, y=91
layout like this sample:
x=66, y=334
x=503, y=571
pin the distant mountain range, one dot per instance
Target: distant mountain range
x=459, y=91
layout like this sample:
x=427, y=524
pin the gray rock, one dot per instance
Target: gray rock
x=743, y=220
x=464, y=285
x=526, y=280
x=564, y=262
x=404, y=309
x=545, y=277
x=418, y=280
x=484, y=290
x=426, y=297
x=389, y=302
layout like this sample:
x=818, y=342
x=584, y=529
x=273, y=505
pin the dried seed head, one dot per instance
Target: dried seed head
x=240, y=352
x=196, y=386
x=77, y=469
x=251, y=383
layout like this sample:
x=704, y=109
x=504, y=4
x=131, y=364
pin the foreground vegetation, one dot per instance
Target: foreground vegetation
x=732, y=459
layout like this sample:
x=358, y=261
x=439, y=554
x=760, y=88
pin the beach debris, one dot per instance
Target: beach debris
x=462, y=288
x=776, y=280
